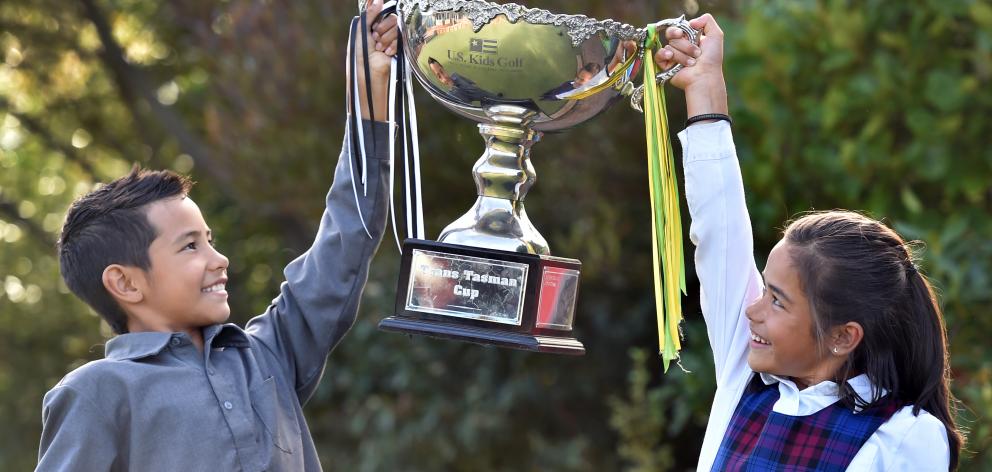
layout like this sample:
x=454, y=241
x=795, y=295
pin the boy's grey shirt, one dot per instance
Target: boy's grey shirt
x=156, y=403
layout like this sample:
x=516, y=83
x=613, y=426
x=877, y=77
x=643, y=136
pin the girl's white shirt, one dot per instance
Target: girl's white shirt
x=729, y=281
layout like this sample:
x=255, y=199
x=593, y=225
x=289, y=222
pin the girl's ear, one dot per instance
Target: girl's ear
x=845, y=338
x=120, y=281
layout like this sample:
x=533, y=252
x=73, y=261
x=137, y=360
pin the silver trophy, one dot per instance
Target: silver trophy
x=518, y=72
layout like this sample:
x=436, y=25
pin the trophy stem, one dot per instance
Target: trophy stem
x=503, y=176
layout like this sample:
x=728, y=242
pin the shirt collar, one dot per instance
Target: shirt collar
x=827, y=390
x=861, y=384
x=130, y=346
x=226, y=335
x=137, y=345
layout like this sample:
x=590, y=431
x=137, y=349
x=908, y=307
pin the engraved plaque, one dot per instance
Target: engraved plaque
x=467, y=287
x=486, y=296
x=556, y=308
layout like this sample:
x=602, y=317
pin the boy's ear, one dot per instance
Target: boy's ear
x=122, y=283
x=846, y=337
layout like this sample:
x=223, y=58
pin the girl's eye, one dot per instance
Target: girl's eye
x=191, y=246
x=212, y=242
x=775, y=300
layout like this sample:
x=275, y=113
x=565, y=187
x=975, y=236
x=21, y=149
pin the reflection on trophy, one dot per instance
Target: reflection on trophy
x=518, y=72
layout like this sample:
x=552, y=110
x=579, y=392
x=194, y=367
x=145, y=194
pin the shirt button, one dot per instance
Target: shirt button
x=176, y=341
x=228, y=405
x=210, y=371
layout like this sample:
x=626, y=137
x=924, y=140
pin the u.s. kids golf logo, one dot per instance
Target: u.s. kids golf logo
x=485, y=53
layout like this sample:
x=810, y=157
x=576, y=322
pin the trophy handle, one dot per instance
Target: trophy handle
x=691, y=33
x=637, y=95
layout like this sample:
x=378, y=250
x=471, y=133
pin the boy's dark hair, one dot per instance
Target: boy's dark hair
x=110, y=226
x=853, y=268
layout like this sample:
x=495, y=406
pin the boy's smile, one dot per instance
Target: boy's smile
x=185, y=287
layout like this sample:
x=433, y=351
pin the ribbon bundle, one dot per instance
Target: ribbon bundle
x=666, y=221
x=402, y=118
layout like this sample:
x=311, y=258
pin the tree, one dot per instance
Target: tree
x=835, y=105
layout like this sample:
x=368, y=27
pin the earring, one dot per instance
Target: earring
x=836, y=351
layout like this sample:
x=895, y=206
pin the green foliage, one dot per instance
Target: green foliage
x=867, y=105
x=660, y=428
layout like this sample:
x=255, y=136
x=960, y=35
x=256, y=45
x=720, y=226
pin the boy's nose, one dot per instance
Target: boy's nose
x=220, y=260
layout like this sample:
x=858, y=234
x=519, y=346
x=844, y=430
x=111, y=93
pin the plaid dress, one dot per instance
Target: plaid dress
x=759, y=439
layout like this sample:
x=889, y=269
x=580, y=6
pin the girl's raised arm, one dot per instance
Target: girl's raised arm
x=720, y=229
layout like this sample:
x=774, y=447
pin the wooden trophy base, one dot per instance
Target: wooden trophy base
x=487, y=297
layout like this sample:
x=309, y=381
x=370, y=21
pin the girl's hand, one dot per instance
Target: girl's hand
x=625, y=50
x=702, y=73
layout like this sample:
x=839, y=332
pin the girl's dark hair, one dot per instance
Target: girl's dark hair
x=110, y=226
x=853, y=268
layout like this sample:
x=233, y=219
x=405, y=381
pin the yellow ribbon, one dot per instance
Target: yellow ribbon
x=666, y=221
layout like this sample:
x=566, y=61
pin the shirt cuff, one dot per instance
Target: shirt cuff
x=380, y=145
x=707, y=141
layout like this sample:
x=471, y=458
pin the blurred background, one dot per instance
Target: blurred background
x=874, y=105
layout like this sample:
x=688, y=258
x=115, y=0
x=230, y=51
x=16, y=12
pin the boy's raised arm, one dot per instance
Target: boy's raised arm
x=319, y=300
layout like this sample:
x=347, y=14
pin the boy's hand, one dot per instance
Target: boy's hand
x=382, y=40
x=702, y=73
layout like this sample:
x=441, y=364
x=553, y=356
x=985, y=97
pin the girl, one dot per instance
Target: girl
x=837, y=359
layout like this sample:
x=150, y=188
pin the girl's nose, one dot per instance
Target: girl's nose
x=751, y=311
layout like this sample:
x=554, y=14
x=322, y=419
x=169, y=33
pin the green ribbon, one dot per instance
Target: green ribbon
x=666, y=221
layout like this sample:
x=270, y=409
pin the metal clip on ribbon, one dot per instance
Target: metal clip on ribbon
x=637, y=98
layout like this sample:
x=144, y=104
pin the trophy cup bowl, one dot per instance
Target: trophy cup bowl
x=518, y=72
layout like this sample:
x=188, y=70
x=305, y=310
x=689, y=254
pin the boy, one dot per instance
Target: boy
x=178, y=390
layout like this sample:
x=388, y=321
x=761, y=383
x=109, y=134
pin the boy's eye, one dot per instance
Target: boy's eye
x=191, y=246
x=212, y=242
x=777, y=302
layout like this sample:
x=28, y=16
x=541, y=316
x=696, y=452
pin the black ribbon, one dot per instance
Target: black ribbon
x=403, y=112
